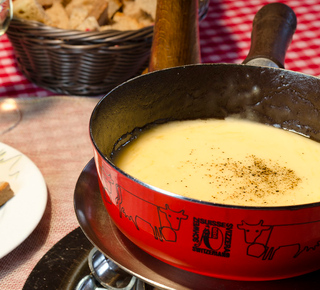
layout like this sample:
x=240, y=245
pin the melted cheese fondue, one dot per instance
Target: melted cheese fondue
x=230, y=161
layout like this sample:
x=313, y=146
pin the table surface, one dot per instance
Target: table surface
x=224, y=37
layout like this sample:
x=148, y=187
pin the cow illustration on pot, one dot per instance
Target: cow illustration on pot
x=264, y=239
x=108, y=185
x=166, y=224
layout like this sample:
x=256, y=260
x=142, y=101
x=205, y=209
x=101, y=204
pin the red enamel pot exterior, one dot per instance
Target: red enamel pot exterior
x=242, y=243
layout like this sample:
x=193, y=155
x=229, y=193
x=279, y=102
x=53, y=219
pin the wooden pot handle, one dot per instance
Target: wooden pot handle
x=272, y=31
x=176, y=34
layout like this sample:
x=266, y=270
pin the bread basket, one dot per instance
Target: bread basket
x=80, y=63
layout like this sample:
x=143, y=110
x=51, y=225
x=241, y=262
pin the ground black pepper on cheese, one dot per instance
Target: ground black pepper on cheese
x=251, y=178
x=228, y=161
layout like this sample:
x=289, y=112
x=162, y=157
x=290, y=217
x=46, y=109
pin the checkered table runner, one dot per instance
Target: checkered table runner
x=224, y=38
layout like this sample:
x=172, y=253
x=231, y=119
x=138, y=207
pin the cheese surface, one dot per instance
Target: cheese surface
x=231, y=161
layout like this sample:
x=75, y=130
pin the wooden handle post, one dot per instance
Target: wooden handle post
x=176, y=34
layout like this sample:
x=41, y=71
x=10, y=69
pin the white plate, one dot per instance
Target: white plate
x=22, y=213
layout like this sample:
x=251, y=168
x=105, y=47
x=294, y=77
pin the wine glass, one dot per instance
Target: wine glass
x=5, y=15
x=10, y=114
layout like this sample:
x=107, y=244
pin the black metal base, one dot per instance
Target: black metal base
x=63, y=266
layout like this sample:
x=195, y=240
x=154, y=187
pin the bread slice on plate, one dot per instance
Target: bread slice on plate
x=6, y=192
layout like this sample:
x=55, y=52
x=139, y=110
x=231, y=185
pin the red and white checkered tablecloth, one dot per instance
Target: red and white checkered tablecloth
x=225, y=33
x=224, y=38
x=12, y=82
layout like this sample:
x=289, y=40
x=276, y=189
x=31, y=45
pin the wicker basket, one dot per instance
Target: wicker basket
x=78, y=63
x=81, y=63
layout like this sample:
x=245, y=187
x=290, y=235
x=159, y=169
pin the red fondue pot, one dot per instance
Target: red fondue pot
x=232, y=242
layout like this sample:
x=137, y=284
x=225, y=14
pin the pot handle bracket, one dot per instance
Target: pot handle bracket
x=272, y=31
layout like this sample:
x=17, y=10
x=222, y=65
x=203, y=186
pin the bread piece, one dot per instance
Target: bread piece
x=65, y=2
x=6, y=192
x=47, y=3
x=133, y=9
x=146, y=20
x=89, y=24
x=149, y=6
x=83, y=4
x=30, y=10
x=100, y=11
x=123, y=22
x=113, y=7
x=77, y=16
x=58, y=16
